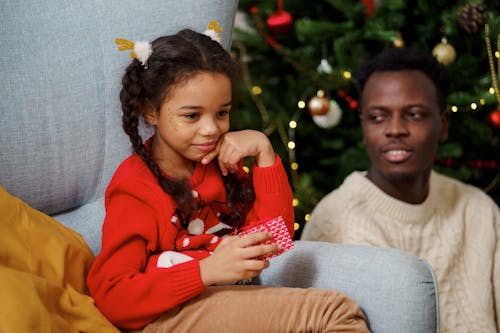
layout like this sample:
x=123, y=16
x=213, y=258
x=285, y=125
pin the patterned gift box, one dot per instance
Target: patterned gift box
x=277, y=228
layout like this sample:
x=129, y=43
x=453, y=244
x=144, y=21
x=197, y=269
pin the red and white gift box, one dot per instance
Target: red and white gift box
x=277, y=228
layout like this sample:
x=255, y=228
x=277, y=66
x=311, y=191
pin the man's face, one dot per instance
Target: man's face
x=402, y=126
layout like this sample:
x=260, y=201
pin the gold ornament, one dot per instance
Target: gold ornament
x=319, y=104
x=398, y=41
x=444, y=52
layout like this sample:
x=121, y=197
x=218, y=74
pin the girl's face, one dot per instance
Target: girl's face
x=192, y=119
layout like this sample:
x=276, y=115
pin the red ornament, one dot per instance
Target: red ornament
x=369, y=7
x=494, y=118
x=281, y=21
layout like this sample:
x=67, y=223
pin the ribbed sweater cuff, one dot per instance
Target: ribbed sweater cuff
x=187, y=280
x=270, y=179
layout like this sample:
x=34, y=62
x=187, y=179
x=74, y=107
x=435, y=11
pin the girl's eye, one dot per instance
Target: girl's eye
x=191, y=116
x=223, y=113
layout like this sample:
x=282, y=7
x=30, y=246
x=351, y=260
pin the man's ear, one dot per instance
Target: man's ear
x=148, y=112
x=445, y=125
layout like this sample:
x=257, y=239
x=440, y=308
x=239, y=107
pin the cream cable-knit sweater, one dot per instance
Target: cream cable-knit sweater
x=456, y=229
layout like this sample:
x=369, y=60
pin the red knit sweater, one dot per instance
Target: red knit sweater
x=140, y=224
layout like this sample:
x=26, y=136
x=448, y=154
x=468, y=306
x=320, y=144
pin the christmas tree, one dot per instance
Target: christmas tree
x=298, y=59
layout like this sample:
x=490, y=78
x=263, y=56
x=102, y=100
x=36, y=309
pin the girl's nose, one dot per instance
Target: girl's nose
x=209, y=126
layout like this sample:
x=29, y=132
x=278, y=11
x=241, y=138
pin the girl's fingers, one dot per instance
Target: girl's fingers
x=255, y=238
x=211, y=155
x=262, y=250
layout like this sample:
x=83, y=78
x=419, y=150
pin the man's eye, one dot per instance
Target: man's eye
x=376, y=117
x=415, y=115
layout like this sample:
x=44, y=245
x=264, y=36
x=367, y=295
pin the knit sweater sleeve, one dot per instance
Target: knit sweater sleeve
x=496, y=266
x=127, y=293
x=273, y=195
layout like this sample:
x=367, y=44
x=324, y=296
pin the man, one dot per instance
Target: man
x=401, y=202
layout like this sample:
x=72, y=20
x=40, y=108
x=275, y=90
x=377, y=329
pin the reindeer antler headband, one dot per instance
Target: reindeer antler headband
x=142, y=50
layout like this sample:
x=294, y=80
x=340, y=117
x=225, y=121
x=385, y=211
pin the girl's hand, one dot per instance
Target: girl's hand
x=234, y=146
x=235, y=259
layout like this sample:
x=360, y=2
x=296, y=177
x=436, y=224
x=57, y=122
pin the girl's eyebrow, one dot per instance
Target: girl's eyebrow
x=197, y=107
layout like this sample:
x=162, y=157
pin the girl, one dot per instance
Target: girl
x=170, y=258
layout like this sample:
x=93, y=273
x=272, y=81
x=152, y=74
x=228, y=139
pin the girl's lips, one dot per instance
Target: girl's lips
x=397, y=155
x=209, y=146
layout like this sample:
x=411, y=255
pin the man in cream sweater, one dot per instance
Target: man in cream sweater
x=401, y=202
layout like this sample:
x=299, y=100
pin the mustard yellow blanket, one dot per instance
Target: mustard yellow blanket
x=43, y=266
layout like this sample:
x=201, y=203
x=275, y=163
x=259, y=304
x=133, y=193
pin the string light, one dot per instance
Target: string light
x=491, y=61
x=256, y=90
x=295, y=202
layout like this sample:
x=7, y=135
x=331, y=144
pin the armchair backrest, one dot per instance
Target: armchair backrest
x=60, y=118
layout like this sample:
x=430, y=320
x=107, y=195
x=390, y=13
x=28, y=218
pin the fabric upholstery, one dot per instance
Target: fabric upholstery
x=396, y=290
x=61, y=72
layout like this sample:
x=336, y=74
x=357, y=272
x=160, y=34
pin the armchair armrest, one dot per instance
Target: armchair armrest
x=396, y=290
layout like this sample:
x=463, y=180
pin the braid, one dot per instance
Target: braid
x=130, y=96
x=240, y=197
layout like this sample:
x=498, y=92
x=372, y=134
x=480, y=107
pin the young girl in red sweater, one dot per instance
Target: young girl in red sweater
x=171, y=258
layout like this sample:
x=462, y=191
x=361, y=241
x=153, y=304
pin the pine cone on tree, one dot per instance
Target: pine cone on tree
x=472, y=16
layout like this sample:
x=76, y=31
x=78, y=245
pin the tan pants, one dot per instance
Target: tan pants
x=259, y=309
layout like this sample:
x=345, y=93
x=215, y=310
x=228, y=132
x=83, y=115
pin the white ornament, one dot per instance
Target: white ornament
x=324, y=67
x=331, y=118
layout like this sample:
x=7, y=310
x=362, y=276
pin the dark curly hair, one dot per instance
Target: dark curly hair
x=176, y=59
x=399, y=59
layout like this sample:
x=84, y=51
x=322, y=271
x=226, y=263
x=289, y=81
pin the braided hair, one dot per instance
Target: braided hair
x=175, y=59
